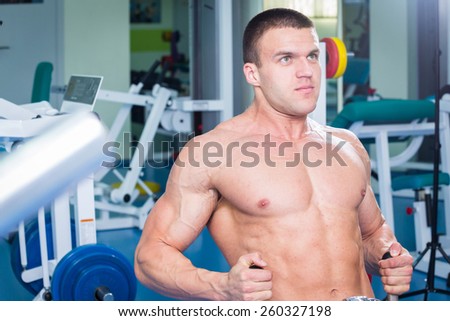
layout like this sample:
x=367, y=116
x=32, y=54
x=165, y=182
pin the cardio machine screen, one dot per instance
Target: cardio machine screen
x=82, y=89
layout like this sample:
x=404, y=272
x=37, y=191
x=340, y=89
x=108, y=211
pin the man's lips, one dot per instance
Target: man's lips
x=305, y=89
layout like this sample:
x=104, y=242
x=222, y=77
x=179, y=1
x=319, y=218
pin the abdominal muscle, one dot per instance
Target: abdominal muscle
x=313, y=255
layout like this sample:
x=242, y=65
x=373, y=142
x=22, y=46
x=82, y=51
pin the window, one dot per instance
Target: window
x=310, y=8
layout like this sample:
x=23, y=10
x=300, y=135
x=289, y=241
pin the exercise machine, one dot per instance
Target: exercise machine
x=118, y=207
x=385, y=121
x=56, y=256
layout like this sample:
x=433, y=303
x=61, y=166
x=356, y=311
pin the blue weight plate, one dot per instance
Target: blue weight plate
x=34, y=251
x=88, y=267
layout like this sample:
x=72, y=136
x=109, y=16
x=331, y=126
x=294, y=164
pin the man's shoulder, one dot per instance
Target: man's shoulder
x=341, y=133
x=349, y=137
x=217, y=135
x=223, y=132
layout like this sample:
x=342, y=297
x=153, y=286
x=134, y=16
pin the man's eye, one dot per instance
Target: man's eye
x=313, y=56
x=285, y=59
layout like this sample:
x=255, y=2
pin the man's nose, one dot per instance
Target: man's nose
x=304, y=68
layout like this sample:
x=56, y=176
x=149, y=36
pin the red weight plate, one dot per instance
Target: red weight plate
x=332, y=57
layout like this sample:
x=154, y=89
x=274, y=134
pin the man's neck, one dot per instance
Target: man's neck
x=272, y=121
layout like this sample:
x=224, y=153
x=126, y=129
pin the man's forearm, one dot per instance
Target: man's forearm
x=172, y=274
x=375, y=246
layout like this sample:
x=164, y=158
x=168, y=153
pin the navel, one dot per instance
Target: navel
x=263, y=203
x=363, y=192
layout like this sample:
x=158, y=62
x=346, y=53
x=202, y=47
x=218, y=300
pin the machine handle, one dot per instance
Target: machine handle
x=165, y=68
x=390, y=297
x=150, y=72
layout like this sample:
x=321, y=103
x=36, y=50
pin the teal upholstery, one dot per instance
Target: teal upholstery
x=383, y=111
x=418, y=181
x=42, y=82
x=357, y=71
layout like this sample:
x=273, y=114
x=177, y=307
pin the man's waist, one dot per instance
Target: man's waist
x=360, y=298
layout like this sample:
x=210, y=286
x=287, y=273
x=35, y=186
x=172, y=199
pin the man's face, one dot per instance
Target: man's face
x=289, y=71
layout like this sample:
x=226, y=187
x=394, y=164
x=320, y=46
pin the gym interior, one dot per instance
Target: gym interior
x=158, y=72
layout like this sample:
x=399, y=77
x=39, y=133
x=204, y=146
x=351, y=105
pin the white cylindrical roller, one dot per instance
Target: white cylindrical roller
x=37, y=172
x=177, y=121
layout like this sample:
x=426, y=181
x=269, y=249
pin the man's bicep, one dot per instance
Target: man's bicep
x=182, y=212
x=179, y=222
x=370, y=216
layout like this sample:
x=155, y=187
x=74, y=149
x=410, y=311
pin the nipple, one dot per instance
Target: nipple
x=263, y=203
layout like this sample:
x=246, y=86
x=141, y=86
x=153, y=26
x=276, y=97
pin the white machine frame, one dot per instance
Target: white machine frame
x=121, y=199
x=85, y=232
x=383, y=163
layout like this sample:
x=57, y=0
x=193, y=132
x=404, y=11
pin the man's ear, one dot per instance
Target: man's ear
x=251, y=74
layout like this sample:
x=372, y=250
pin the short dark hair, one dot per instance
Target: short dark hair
x=270, y=19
